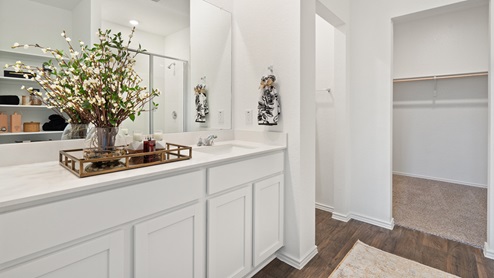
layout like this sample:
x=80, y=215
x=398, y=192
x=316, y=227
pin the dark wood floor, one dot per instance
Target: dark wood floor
x=335, y=238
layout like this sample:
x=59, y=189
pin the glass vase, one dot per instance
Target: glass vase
x=75, y=131
x=104, y=142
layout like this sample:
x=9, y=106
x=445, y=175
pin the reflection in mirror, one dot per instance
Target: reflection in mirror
x=210, y=47
x=185, y=41
x=42, y=23
x=192, y=39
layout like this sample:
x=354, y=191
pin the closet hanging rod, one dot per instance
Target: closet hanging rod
x=438, y=77
x=328, y=90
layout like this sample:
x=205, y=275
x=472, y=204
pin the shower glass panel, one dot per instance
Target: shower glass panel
x=169, y=78
x=169, y=75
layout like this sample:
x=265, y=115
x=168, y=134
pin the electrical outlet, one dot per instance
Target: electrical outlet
x=221, y=117
x=248, y=117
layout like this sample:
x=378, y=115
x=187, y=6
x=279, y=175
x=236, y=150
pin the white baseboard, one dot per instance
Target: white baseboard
x=298, y=264
x=324, y=207
x=440, y=179
x=369, y=220
x=261, y=266
x=341, y=217
x=376, y=222
x=488, y=253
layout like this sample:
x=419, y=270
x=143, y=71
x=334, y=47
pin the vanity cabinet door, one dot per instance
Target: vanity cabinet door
x=102, y=257
x=268, y=217
x=230, y=234
x=170, y=245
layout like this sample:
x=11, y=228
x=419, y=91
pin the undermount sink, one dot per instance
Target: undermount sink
x=223, y=149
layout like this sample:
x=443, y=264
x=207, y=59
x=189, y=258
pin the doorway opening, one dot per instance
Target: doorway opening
x=440, y=121
x=331, y=113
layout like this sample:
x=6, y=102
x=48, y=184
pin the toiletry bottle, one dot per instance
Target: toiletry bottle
x=149, y=146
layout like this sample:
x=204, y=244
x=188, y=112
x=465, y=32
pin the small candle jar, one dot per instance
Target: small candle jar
x=137, y=136
x=158, y=135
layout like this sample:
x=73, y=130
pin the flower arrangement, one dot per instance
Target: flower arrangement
x=95, y=85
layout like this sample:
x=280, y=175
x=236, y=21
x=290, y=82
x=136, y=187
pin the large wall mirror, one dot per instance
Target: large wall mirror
x=188, y=43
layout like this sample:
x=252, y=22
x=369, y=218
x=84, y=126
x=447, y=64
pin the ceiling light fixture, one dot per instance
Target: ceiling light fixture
x=134, y=22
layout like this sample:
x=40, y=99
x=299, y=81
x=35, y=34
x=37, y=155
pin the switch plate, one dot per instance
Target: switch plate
x=248, y=117
x=221, y=117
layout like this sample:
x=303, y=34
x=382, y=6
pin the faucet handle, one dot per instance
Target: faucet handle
x=200, y=143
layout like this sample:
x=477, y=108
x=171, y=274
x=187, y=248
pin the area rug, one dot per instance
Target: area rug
x=366, y=261
x=448, y=210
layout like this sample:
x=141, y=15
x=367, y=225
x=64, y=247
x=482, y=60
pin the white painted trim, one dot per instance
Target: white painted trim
x=363, y=218
x=341, y=217
x=373, y=221
x=298, y=264
x=440, y=179
x=261, y=266
x=324, y=207
x=488, y=253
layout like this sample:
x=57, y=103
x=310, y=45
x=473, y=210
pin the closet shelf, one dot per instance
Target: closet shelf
x=24, y=55
x=23, y=106
x=16, y=80
x=439, y=77
x=441, y=102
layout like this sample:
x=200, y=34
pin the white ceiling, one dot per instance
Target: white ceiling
x=162, y=18
x=64, y=4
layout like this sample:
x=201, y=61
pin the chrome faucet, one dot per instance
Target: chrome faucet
x=209, y=141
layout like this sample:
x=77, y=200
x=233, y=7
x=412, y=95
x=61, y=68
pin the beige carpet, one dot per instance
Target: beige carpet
x=448, y=210
x=367, y=261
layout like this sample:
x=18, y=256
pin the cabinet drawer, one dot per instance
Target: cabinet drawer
x=99, y=257
x=30, y=230
x=230, y=175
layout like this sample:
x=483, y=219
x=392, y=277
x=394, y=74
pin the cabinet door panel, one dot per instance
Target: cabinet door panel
x=168, y=246
x=102, y=257
x=268, y=217
x=230, y=234
x=245, y=171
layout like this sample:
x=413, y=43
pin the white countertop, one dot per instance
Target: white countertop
x=28, y=184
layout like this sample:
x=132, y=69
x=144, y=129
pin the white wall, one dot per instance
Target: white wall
x=325, y=114
x=452, y=42
x=227, y=5
x=442, y=141
x=281, y=33
x=177, y=45
x=20, y=22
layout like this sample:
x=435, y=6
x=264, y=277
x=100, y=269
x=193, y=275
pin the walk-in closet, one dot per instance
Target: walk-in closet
x=440, y=121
